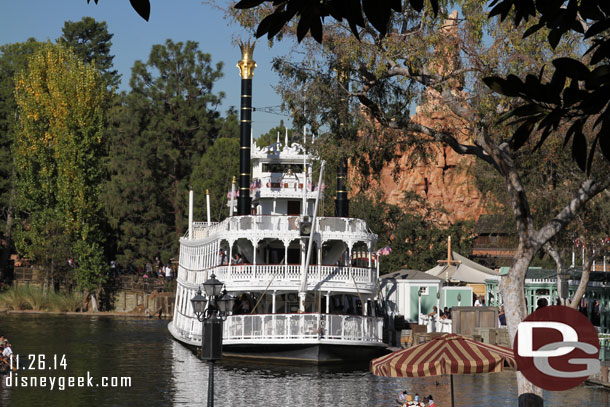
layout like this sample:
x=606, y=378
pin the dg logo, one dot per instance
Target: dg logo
x=557, y=348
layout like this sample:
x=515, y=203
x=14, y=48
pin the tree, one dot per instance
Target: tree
x=59, y=154
x=276, y=132
x=413, y=233
x=390, y=68
x=159, y=133
x=13, y=58
x=91, y=42
x=575, y=95
x=214, y=173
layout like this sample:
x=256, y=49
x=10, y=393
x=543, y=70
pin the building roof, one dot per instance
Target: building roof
x=493, y=224
x=405, y=274
x=466, y=271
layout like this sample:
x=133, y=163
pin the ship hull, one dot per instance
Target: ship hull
x=304, y=353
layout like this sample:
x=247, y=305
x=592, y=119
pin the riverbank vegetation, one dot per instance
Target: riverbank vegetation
x=23, y=298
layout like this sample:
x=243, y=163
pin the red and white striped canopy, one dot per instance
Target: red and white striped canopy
x=448, y=354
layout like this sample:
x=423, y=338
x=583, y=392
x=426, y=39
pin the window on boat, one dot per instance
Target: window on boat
x=282, y=168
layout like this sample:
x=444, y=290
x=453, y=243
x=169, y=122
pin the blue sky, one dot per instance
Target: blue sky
x=133, y=38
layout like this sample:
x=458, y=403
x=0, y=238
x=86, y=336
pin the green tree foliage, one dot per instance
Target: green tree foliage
x=13, y=58
x=413, y=233
x=59, y=154
x=214, y=173
x=575, y=95
x=91, y=42
x=159, y=133
x=310, y=18
x=271, y=136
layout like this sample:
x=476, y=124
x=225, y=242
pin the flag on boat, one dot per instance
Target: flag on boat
x=384, y=251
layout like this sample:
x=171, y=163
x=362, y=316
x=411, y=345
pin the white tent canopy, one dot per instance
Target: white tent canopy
x=465, y=271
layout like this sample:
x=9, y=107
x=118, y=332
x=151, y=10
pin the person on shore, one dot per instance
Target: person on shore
x=541, y=303
x=501, y=318
x=402, y=397
x=168, y=272
x=432, y=316
x=431, y=402
x=8, y=350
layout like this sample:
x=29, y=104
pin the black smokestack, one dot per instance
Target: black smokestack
x=341, y=202
x=246, y=69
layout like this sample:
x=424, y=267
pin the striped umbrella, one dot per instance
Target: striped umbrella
x=448, y=354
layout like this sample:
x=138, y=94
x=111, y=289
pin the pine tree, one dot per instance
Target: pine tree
x=167, y=121
x=91, y=42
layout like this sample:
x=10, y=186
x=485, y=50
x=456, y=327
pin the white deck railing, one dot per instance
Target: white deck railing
x=282, y=327
x=290, y=328
x=284, y=276
x=277, y=223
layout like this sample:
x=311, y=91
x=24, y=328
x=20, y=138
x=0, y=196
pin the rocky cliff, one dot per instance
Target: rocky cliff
x=444, y=178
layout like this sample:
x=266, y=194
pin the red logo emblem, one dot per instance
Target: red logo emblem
x=557, y=348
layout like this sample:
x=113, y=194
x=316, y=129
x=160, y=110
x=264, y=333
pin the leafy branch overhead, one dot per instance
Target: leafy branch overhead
x=312, y=14
x=142, y=7
x=577, y=93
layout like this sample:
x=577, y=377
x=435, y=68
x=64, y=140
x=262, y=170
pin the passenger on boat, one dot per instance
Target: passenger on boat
x=222, y=257
x=431, y=402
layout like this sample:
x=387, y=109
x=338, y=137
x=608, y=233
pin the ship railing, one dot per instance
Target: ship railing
x=276, y=223
x=281, y=273
x=286, y=327
x=201, y=230
x=285, y=275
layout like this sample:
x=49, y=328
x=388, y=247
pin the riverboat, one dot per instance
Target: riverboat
x=306, y=285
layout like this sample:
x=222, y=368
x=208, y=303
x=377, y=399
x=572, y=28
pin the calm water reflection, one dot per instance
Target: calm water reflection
x=164, y=373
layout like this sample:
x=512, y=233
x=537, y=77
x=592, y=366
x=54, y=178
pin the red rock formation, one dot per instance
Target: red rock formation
x=446, y=178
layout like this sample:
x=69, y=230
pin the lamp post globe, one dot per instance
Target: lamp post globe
x=212, y=286
x=199, y=302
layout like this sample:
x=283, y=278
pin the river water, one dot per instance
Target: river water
x=165, y=373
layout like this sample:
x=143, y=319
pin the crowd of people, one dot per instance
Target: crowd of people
x=406, y=399
x=6, y=355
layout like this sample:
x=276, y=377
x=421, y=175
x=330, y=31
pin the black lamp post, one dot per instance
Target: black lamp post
x=219, y=304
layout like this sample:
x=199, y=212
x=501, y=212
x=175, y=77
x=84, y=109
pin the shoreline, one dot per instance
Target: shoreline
x=99, y=313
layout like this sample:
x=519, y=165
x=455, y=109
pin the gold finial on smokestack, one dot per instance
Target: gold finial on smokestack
x=246, y=65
